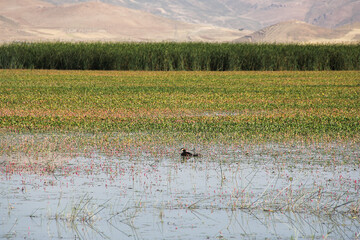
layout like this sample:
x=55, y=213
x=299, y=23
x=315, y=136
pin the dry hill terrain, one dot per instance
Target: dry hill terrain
x=163, y=20
x=301, y=32
x=248, y=14
x=33, y=20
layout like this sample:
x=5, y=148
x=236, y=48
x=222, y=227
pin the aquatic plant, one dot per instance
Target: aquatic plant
x=201, y=105
x=179, y=56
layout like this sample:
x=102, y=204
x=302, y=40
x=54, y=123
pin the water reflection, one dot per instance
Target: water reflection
x=256, y=191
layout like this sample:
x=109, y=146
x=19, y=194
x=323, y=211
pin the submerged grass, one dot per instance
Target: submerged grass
x=239, y=105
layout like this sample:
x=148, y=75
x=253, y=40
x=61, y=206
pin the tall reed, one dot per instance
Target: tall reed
x=179, y=56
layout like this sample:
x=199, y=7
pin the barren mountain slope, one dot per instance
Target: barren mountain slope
x=36, y=20
x=301, y=32
x=334, y=13
x=252, y=15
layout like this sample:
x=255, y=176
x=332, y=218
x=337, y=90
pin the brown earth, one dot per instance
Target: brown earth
x=36, y=20
x=33, y=20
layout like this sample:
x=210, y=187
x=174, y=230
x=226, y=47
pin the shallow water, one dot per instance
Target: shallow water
x=231, y=192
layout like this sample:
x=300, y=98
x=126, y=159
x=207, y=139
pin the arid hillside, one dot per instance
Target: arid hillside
x=33, y=20
x=301, y=32
x=248, y=14
x=186, y=20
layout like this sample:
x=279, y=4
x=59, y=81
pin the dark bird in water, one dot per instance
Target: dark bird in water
x=185, y=153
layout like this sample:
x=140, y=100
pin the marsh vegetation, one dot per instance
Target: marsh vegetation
x=96, y=154
x=180, y=56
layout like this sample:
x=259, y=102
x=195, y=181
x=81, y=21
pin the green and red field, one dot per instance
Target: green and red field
x=245, y=105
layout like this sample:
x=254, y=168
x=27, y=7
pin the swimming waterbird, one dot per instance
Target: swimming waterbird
x=185, y=153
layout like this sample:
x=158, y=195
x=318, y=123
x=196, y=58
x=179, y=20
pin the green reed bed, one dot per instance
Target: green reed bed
x=179, y=56
x=238, y=105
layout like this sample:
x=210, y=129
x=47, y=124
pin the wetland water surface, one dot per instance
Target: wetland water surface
x=232, y=192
